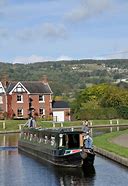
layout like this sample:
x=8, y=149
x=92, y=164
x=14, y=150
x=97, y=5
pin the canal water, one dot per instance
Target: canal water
x=18, y=169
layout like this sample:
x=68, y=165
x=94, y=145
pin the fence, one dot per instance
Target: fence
x=3, y=124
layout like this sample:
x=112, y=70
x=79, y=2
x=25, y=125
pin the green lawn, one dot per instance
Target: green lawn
x=11, y=124
x=14, y=124
x=104, y=142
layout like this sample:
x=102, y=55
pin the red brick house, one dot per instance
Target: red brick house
x=16, y=99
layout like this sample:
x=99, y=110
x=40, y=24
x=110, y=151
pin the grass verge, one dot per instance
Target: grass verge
x=104, y=142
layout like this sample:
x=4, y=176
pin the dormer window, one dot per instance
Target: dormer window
x=19, y=88
x=41, y=98
x=19, y=98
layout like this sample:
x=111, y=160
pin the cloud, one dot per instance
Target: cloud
x=34, y=58
x=30, y=59
x=88, y=9
x=3, y=33
x=45, y=31
x=122, y=54
x=53, y=31
x=63, y=57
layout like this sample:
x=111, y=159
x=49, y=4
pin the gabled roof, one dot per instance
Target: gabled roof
x=15, y=86
x=10, y=87
x=32, y=87
x=2, y=89
x=59, y=104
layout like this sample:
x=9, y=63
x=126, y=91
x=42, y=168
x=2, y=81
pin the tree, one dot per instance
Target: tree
x=101, y=101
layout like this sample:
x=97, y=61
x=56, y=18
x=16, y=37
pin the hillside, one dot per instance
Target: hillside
x=67, y=76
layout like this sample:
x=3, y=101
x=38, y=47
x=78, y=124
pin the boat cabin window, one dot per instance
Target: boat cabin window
x=70, y=141
x=73, y=141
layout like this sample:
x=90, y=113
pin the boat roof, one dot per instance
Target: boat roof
x=54, y=131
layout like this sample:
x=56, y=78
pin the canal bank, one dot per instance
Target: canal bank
x=121, y=141
x=112, y=156
x=10, y=131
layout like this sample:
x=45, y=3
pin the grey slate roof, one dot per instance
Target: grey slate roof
x=32, y=86
x=59, y=104
x=11, y=86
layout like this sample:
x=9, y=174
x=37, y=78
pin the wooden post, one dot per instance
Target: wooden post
x=61, y=124
x=117, y=124
x=53, y=124
x=19, y=127
x=110, y=124
x=4, y=126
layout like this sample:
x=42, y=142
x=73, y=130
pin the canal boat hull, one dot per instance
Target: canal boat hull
x=71, y=160
x=88, y=156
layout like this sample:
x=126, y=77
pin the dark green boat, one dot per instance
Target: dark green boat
x=61, y=147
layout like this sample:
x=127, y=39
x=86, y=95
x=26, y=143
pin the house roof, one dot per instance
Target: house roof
x=59, y=104
x=32, y=87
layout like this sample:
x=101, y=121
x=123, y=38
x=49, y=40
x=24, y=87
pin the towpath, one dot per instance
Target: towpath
x=121, y=140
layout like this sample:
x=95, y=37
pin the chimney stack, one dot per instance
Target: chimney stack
x=5, y=80
x=45, y=79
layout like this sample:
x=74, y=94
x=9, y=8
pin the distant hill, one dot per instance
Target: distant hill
x=66, y=77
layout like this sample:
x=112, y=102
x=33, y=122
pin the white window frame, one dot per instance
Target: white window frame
x=18, y=113
x=41, y=100
x=42, y=110
x=1, y=99
x=21, y=100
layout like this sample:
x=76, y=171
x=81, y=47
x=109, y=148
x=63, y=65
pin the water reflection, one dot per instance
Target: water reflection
x=9, y=139
x=74, y=177
x=66, y=176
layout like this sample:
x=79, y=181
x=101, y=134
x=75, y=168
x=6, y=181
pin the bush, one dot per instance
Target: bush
x=100, y=113
x=123, y=111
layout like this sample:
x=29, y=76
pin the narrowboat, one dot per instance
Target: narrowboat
x=61, y=147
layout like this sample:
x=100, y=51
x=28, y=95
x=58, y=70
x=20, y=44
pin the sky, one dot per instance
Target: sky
x=43, y=30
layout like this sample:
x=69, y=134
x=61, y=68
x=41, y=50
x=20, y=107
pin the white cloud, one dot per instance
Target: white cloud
x=54, y=31
x=63, y=57
x=34, y=58
x=30, y=59
x=45, y=31
x=88, y=8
